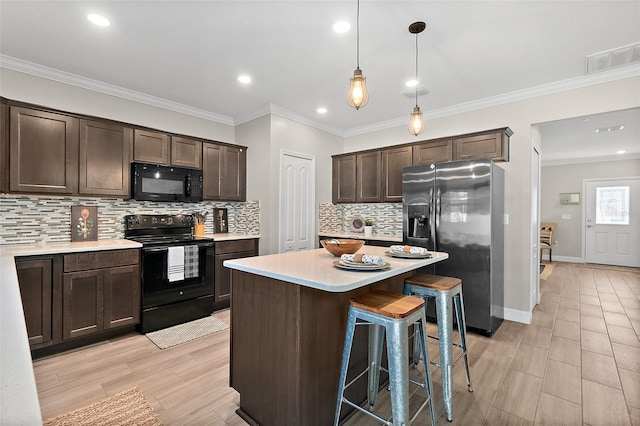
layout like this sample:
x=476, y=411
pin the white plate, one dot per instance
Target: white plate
x=407, y=255
x=360, y=266
x=357, y=224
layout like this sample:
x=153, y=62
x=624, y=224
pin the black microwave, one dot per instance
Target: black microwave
x=152, y=182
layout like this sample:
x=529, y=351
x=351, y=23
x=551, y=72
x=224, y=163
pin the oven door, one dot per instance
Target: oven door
x=158, y=290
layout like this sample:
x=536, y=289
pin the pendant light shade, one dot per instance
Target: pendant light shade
x=358, y=96
x=416, y=123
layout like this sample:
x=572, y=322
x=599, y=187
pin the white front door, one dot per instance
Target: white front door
x=612, y=221
x=297, y=200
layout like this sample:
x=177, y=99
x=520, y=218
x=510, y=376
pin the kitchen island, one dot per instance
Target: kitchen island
x=288, y=318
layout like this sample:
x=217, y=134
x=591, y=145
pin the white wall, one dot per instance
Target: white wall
x=266, y=137
x=41, y=91
x=519, y=116
x=568, y=178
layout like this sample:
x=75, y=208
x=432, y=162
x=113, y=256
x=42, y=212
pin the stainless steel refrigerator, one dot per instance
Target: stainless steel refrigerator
x=458, y=208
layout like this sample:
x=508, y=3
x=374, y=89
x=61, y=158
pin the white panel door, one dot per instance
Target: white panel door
x=612, y=221
x=297, y=195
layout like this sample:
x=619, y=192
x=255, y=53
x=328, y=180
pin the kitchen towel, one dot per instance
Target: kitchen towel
x=409, y=249
x=175, y=263
x=191, y=264
x=363, y=258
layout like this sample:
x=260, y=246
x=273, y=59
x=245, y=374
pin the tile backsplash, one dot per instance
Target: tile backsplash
x=387, y=217
x=31, y=219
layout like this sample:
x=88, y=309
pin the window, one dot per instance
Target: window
x=612, y=205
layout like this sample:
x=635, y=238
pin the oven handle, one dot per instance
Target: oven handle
x=155, y=249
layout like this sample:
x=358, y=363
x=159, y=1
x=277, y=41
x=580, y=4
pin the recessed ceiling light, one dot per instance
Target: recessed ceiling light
x=322, y=110
x=411, y=83
x=622, y=151
x=341, y=27
x=244, y=79
x=99, y=20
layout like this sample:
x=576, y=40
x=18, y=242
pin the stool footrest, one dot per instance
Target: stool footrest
x=367, y=412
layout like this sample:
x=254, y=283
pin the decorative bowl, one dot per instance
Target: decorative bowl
x=338, y=247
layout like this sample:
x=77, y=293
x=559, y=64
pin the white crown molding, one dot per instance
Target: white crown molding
x=109, y=89
x=550, y=163
x=518, y=95
x=285, y=113
x=86, y=83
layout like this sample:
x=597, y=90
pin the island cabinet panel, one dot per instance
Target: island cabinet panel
x=298, y=334
x=227, y=250
x=43, y=152
x=437, y=151
x=393, y=161
x=344, y=179
x=369, y=177
x=105, y=155
x=489, y=145
x=186, y=152
x=151, y=147
x=36, y=290
x=224, y=170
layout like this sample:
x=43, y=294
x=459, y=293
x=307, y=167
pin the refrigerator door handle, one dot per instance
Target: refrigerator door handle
x=436, y=220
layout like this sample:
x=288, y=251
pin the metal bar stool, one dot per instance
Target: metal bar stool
x=394, y=313
x=443, y=290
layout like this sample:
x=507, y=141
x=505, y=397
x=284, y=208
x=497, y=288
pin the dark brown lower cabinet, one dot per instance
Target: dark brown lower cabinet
x=70, y=296
x=226, y=250
x=36, y=281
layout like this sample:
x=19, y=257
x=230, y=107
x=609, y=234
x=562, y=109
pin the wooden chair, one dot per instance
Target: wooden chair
x=547, y=235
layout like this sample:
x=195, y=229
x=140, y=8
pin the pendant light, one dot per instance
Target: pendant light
x=416, y=123
x=358, y=96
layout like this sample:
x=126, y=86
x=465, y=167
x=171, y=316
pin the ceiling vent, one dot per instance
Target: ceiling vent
x=614, y=58
x=411, y=93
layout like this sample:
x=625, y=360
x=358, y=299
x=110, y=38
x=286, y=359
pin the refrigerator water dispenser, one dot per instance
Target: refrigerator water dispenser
x=418, y=215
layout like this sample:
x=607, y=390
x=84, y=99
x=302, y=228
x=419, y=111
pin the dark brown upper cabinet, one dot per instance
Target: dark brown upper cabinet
x=105, y=155
x=437, y=151
x=344, y=179
x=393, y=161
x=368, y=177
x=43, y=152
x=151, y=147
x=186, y=152
x=4, y=147
x=224, y=170
x=493, y=145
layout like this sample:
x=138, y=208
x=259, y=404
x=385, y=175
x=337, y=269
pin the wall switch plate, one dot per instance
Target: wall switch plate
x=506, y=218
x=566, y=216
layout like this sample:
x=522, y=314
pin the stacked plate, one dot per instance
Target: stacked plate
x=354, y=266
x=408, y=255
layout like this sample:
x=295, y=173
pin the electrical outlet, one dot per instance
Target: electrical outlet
x=566, y=216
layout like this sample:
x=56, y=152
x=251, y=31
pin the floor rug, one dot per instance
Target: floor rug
x=548, y=269
x=182, y=333
x=127, y=408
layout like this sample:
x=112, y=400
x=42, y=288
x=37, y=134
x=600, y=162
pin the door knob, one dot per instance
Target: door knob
x=589, y=226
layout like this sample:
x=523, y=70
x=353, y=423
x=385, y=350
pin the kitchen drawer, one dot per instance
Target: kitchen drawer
x=100, y=259
x=234, y=246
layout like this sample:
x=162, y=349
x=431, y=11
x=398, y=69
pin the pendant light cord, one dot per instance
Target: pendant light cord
x=358, y=34
x=416, y=69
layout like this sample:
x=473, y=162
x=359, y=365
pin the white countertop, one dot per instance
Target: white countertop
x=19, y=403
x=314, y=268
x=361, y=236
x=231, y=236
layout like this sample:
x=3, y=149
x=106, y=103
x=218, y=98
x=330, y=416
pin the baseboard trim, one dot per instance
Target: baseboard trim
x=524, y=317
x=568, y=259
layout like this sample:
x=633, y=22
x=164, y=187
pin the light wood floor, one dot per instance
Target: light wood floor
x=577, y=363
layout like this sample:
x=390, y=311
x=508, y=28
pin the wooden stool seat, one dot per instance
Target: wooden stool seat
x=387, y=304
x=433, y=281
